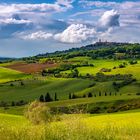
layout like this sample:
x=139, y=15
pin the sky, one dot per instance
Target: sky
x=31, y=27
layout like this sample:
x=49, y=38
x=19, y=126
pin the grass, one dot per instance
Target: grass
x=90, y=100
x=16, y=110
x=32, y=89
x=7, y=75
x=107, y=63
x=118, y=126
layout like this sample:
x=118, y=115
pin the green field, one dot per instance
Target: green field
x=101, y=127
x=32, y=89
x=7, y=75
x=107, y=63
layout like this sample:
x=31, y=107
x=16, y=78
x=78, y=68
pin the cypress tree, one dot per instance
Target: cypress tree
x=70, y=96
x=13, y=103
x=100, y=93
x=84, y=96
x=48, y=98
x=55, y=97
x=89, y=94
x=41, y=98
x=74, y=96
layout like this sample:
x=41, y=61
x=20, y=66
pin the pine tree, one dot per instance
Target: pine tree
x=41, y=98
x=48, y=98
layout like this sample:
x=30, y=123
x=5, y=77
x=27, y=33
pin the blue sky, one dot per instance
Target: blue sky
x=30, y=27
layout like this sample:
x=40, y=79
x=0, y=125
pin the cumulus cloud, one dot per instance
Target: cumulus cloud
x=39, y=35
x=75, y=33
x=109, y=19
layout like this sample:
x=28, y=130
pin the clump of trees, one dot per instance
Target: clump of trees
x=48, y=98
x=126, y=81
x=132, y=62
x=64, y=67
x=13, y=103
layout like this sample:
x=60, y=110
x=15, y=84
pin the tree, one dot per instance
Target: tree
x=13, y=103
x=105, y=94
x=41, y=98
x=48, y=98
x=70, y=96
x=75, y=73
x=11, y=84
x=110, y=93
x=74, y=96
x=44, y=72
x=84, y=96
x=115, y=94
x=55, y=97
x=89, y=94
x=100, y=94
x=94, y=95
x=21, y=83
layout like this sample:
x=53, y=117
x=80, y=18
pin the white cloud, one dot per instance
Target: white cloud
x=75, y=33
x=40, y=35
x=59, y=6
x=109, y=19
x=14, y=21
x=87, y=3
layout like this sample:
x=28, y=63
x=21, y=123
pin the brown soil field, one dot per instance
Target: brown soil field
x=32, y=67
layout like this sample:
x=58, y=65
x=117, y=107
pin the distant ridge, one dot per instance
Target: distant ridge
x=5, y=59
x=96, y=45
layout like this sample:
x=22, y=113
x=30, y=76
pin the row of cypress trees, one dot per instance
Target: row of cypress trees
x=48, y=98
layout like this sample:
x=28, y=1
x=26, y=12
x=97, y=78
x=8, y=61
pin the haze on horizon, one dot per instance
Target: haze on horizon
x=32, y=27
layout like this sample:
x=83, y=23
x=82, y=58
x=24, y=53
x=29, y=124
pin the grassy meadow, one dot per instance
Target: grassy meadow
x=122, y=126
x=7, y=75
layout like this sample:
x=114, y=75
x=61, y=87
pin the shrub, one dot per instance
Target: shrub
x=132, y=62
x=121, y=66
x=137, y=93
x=38, y=112
x=90, y=94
